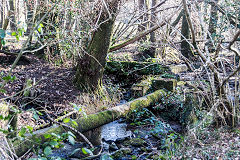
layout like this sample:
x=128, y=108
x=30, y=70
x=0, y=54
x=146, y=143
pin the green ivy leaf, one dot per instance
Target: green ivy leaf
x=3, y=42
x=14, y=34
x=76, y=150
x=6, y=78
x=47, y=151
x=41, y=25
x=66, y=120
x=35, y=115
x=30, y=128
x=56, y=135
x=3, y=90
x=54, y=144
x=74, y=123
x=47, y=136
x=4, y=131
x=70, y=133
x=71, y=139
x=106, y=157
x=87, y=151
x=2, y=33
x=22, y=132
x=17, y=37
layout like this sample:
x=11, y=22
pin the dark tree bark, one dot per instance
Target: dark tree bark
x=212, y=26
x=185, y=46
x=1, y=14
x=12, y=15
x=152, y=49
x=29, y=17
x=142, y=6
x=91, y=65
x=153, y=21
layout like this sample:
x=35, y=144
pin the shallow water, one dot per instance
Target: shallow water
x=114, y=130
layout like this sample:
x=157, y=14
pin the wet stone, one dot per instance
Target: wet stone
x=115, y=131
x=113, y=147
x=105, y=146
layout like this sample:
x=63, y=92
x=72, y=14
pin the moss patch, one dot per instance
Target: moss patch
x=136, y=142
x=121, y=153
x=127, y=69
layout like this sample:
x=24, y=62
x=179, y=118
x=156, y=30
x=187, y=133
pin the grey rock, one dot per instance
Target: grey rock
x=113, y=147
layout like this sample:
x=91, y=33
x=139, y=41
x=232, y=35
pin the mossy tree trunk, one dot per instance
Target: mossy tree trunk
x=91, y=65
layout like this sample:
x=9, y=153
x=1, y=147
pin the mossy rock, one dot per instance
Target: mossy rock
x=152, y=84
x=121, y=153
x=126, y=68
x=136, y=142
x=142, y=88
x=162, y=83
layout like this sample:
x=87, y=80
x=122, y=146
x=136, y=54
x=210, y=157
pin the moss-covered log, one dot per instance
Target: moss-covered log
x=91, y=121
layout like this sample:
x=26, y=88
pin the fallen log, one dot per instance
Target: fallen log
x=91, y=121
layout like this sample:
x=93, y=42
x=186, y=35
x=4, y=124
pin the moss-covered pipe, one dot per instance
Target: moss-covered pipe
x=91, y=121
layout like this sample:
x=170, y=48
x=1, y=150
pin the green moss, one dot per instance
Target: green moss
x=136, y=142
x=93, y=120
x=152, y=84
x=155, y=96
x=126, y=68
x=121, y=153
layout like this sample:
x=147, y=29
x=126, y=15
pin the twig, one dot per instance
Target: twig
x=56, y=120
x=234, y=39
x=230, y=48
x=139, y=36
x=71, y=128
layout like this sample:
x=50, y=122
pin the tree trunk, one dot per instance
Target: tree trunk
x=185, y=46
x=91, y=65
x=212, y=26
x=153, y=21
x=12, y=15
x=1, y=14
x=142, y=5
x=29, y=16
x=5, y=25
x=152, y=49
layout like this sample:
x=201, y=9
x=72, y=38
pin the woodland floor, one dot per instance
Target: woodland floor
x=54, y=87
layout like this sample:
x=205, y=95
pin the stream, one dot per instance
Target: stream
x=120, y=140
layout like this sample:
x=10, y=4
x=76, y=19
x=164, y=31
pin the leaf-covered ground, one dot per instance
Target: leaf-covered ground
x=221, y=144
x=53, y=88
